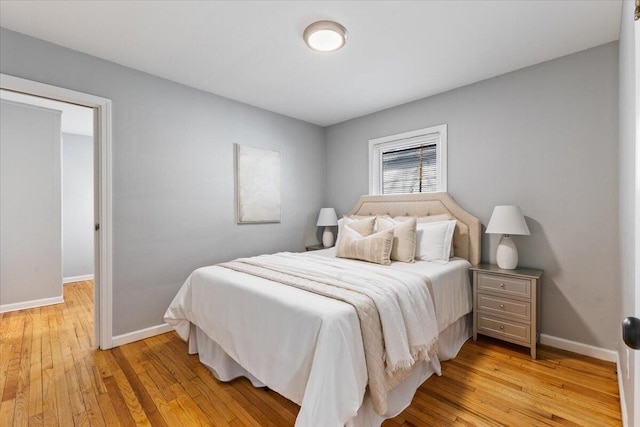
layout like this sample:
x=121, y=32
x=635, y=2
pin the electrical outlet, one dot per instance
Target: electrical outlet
x=627, y=364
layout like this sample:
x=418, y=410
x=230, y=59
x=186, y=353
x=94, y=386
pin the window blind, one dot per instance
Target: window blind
x=410, y=170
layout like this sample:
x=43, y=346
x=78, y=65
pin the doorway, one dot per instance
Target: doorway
x=98, y=214
x=76, y=183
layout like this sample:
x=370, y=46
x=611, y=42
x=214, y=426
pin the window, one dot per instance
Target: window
x=412, y=162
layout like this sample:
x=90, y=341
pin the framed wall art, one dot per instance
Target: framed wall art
x=258, y=184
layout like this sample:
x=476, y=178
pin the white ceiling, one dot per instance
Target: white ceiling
x=253, y=51
x=75, y=119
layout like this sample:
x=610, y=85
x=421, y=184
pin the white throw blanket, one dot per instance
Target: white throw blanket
x=402, y=332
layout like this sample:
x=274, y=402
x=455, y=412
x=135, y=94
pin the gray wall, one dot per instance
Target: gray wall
x=544, y=138
x=30, y=242
x=173, y=179
x=628, y=195
x=77, y=205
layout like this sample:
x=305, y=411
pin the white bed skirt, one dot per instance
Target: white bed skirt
x=225, y=369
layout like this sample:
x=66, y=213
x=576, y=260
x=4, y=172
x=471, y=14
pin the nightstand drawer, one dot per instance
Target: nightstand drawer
x=520, y=310
x=504, y=285
x=502, y=328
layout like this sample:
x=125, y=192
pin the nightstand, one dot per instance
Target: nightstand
x=506, y=304
x=315, y=247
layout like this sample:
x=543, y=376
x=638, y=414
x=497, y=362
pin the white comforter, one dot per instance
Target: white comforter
x=302, y=345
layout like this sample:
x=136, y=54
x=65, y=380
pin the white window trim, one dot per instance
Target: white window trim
x=407, y=140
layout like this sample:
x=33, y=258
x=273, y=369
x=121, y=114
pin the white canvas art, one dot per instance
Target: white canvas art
x=258, y=184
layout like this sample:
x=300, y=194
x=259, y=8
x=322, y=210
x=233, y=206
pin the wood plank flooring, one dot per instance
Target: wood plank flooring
x=50, y=375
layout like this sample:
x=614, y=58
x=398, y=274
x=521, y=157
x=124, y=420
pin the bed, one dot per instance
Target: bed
x=309, y=348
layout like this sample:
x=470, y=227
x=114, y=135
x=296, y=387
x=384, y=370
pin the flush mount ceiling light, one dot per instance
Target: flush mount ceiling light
x=325, y=36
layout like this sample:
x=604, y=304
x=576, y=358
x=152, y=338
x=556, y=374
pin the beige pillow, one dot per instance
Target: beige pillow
x=404, y=237
x=429, y=219
x=373, y=248
x=363, y=226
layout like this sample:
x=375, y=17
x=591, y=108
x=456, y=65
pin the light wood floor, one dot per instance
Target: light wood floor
x=50, y=375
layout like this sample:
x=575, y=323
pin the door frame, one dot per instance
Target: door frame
x=103, y=279
x=635, y=381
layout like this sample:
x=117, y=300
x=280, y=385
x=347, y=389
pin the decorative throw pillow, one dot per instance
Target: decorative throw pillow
x=433, y=241
x=429, y=218
x=373, y=248
x=404, y=237
x=362, y=225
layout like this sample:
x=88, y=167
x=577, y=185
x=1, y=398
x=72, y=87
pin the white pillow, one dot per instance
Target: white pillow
x=429, y=218
x=433, y=241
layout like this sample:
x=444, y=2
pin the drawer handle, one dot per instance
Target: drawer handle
x=501, y=305
x=501, y=326
x=502, y=285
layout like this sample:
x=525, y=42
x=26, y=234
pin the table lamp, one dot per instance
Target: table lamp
x=327, y=219
x=507, y=220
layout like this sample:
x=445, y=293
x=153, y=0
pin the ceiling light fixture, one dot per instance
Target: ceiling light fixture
x=325, y=36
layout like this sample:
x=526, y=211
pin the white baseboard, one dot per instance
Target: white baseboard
x=141, y=334
x=31, y=304
x=577, y=347
x=77, y=278
x=623, y=401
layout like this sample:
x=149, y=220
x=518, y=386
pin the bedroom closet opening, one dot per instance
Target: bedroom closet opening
x=47, y=210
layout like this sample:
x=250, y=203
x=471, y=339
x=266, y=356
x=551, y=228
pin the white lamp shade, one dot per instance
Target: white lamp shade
x=327, y=217
x=507, y=220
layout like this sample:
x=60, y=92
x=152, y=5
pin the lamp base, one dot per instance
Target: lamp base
x=507, y=254
x=327, y=237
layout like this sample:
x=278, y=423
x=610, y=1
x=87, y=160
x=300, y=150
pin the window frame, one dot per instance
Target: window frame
x=416, y=138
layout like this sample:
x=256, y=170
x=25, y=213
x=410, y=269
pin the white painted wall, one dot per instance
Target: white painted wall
x=77, y=206
x=30, y=204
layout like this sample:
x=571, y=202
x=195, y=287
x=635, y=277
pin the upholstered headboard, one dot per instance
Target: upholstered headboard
x=466, y=238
